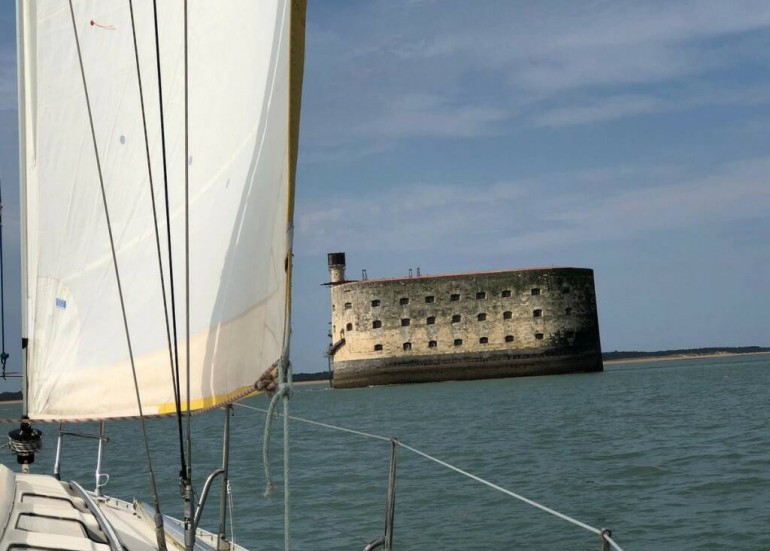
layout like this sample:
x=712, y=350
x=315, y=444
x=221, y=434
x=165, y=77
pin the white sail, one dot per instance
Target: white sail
x=242, y=150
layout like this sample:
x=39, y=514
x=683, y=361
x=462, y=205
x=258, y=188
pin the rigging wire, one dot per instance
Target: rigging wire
x=154, y=206
x=3, y=355
x=159, y=531
x=602, y=533
x=183, y=468
x=187, y=241
x=188, y=490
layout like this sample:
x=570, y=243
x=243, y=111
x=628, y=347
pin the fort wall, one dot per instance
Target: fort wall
x=463, y=326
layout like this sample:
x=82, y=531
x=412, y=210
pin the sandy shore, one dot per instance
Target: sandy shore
x=673, y=357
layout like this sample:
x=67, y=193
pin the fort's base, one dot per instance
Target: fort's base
x=456, y=367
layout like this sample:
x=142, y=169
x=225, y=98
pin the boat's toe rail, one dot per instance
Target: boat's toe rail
x=41, y=513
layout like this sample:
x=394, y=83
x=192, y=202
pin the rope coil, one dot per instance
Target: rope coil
x=26, y=447
x=24, y=442
x=284, y=390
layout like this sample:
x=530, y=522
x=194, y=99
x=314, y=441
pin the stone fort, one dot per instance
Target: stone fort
x=533, y=321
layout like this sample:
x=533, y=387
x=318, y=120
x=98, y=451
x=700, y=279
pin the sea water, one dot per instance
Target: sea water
x=668, y=455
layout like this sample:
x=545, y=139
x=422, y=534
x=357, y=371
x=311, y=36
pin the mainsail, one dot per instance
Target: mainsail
x=245, y=67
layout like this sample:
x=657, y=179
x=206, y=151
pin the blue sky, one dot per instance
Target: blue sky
x=627, y=137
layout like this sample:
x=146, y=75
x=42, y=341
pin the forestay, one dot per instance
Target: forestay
x=242, y=150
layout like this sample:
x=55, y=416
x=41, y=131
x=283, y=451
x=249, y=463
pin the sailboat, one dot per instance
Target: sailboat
x=158, y=148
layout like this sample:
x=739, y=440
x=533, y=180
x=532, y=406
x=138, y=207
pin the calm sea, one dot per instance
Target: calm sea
x=669, y=455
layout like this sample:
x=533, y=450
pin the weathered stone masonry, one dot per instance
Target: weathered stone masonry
x=464, y=326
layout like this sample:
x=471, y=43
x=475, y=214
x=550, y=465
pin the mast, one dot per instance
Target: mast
x=3, y=355
x=21, y=45
x=24, y=441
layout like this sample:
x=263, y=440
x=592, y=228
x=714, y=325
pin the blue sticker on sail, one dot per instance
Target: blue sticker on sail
x=61, y=303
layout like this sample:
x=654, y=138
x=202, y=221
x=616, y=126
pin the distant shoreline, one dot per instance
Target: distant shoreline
x=323, y=377
x=672, y=357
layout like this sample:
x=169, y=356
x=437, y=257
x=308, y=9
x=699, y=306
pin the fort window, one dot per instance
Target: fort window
x=539, y=336
x=565, y=290
x=430, y=299
x=568, y=311
x=456, y=318
x=348, y=306
x=431, y=320
x=404, y=301
x=507, y=315
x=376, y=324
x=483, y=340
x=482, y=317
x=458, y=342
x=405, y=322
x=407, y=346
x=537, y=313
x=535, y=291
x=505, y=294
x=481, y=295
x=333, y=308
x=349, y=327
x=509, y=338
x=454, y=298
x=432, y=344
x=375, y=303
x=378, y=348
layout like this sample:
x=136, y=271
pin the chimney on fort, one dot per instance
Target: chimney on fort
x=337, y=267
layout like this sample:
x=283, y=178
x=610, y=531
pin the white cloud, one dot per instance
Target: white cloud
x=600, y=110
x=513, y=217
x=433, y=115
x=603, y=109
x=381, y=73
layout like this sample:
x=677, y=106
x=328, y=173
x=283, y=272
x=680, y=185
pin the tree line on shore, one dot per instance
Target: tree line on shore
x=634, y=354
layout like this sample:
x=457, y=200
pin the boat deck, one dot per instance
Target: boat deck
x=40, y=513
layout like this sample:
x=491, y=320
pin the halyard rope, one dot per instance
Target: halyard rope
x=266, y=443
x=604, y=534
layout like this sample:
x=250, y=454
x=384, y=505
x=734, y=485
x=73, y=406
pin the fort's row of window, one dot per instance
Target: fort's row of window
x=455, y=297
x=459, y=342
x=457, y=318
x=429, y=299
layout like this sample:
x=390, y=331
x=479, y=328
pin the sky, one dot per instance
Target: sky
x=630, y=137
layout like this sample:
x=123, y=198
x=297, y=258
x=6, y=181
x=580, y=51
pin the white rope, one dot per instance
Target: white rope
x=271, y=411
x=601, y=533
x=285, y=391
x=232, y=511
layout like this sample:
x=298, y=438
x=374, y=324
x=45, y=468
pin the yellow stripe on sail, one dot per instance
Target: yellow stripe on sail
x=209, y=402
